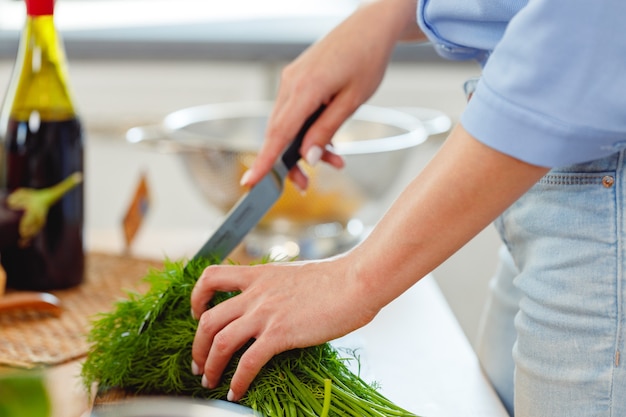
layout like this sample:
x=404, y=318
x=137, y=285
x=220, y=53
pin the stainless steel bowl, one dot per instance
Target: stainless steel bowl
x=218, y=142
x=172, y=407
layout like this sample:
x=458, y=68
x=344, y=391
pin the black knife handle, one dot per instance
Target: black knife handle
x=292, y=154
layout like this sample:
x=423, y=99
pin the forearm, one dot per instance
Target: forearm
x=464, y=188
x=402, y=14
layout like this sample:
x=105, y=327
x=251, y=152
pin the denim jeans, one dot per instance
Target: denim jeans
x=558, y=302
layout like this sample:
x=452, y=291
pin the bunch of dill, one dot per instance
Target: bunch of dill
x=143, y=346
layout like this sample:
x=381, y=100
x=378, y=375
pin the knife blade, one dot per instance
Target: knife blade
x=253, y=205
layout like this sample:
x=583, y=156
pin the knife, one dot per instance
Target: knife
x=253, y=205
x=250, y=208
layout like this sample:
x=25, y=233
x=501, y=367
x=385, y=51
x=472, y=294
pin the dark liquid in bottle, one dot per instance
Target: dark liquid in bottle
x=54, y=259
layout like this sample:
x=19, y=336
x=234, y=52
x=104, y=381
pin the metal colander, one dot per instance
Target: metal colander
x=218, y=142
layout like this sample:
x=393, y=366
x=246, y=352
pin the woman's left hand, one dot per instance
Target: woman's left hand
x=282, y=306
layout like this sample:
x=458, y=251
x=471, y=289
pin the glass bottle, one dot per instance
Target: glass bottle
x=42, y=145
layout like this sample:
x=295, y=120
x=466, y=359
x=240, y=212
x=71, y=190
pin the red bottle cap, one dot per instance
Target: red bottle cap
x=39, y=7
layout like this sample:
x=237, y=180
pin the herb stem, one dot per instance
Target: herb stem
x=327, y=397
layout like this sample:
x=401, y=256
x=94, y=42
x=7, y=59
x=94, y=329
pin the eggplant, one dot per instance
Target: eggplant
x=9, y=222
x=24, y=211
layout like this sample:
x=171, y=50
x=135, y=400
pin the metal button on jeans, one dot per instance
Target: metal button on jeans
x=608, y=181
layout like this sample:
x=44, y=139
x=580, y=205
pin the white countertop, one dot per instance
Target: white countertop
x=417, y=351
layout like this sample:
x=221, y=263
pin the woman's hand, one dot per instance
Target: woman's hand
x=341, y=71
x=272, y=310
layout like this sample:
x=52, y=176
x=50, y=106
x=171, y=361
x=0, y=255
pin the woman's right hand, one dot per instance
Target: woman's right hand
x=341, y=71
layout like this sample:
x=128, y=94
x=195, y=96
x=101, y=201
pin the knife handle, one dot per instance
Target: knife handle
x=292, y=154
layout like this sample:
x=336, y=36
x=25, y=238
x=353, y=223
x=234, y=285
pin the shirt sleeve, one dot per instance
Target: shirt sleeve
x=553, y=92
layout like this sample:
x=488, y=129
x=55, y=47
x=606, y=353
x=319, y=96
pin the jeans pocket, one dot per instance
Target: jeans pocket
x=566, y=207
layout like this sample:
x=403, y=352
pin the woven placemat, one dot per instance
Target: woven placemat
x=30, y=339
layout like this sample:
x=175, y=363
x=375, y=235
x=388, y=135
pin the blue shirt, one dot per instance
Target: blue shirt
x=553, y=88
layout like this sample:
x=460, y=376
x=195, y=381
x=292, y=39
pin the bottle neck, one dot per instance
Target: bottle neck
x=40, y=76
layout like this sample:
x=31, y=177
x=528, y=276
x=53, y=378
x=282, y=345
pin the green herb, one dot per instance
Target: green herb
x=144, y=346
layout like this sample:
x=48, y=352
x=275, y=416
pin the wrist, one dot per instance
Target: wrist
x=369, y=279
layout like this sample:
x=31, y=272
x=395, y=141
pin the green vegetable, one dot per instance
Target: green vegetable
x=23, y=394
x=144, y=347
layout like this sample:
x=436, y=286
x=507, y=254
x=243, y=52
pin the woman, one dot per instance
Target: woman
x=552, y=94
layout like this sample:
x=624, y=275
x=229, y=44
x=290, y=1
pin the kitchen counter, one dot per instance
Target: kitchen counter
x=417, y=351
x=414, y=349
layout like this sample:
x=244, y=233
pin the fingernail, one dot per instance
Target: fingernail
x=231, y=395
x=193, y=315
x=313, y=155
x=301, y=191
x=245, y=178
x=205, y=382
x=195, y=369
